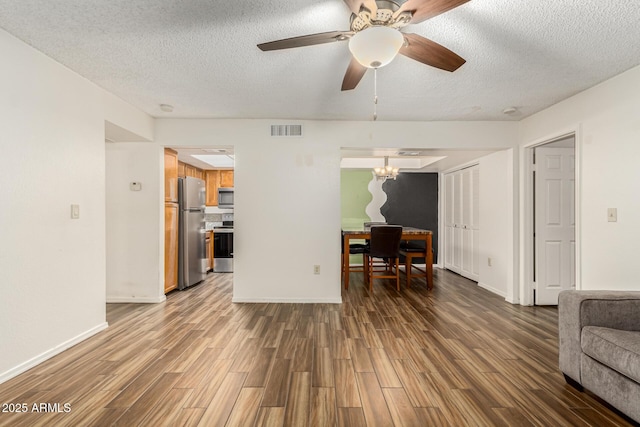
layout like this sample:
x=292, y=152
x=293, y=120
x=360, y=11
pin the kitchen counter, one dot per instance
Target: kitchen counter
x=222, y=230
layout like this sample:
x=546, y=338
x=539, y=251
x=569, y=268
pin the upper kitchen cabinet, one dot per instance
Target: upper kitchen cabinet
x=226, y=178
x=212, y=183
x=185, y=169
x=170, y=175
x=215, y=179
x=190, y=170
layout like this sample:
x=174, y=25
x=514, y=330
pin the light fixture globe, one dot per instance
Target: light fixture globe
x=386, y=172
x=376, y=46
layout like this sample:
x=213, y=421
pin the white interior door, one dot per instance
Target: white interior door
x=470, y=217
x=462, y=222
x=555, y=264
x=457, y=223
x=448, y=220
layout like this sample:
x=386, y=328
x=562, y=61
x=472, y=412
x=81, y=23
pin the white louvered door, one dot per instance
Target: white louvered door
x=462, y=228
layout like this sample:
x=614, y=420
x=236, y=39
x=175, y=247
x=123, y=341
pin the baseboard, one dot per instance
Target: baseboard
x=23, y=367
x=493, y=290
x=512, y=300
x=136, y=300
x=289, y=300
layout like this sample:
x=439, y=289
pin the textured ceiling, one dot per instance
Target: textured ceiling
x=201, y=56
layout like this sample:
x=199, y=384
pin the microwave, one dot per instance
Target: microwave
x=225, y=197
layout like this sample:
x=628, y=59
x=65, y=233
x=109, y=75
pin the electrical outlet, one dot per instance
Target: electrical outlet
x=316, y=269
x=612, y=215
x=489, y=261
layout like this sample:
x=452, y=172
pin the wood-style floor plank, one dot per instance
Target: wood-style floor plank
x=298, y=406
x=246, y=407
x=270, y=417
x=347, y=394
x=220, y=407
x=323, y=407
x=374, y=406
x=453, y=356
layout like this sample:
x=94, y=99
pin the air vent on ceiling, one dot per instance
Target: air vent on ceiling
x=286, y=130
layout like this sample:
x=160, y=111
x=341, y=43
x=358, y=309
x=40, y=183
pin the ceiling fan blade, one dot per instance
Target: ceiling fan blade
x=425, y=9
x=430, y=53
x=308, y=40
x=355, y=72
x=354, y=5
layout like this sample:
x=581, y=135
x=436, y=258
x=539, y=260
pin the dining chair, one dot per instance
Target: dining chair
x=411, y=250
x=354, y=249
x=367, y=226
x=384, y=244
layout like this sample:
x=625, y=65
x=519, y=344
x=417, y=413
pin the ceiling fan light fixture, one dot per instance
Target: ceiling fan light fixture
x=376, y=46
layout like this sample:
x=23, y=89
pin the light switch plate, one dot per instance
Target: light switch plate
x=75, y=211
x=612, y=215
x=135, y=186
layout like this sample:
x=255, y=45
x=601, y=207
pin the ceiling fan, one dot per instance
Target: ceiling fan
x=375, y=37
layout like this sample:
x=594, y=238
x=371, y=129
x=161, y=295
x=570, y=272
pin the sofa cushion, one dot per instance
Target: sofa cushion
x=618, y=349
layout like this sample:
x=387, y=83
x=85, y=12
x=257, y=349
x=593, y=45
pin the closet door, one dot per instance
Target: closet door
x=470, y=228
x=457, y=223
x=448, y=221
x=462, y=230
x=467, y=232
x=475, y=222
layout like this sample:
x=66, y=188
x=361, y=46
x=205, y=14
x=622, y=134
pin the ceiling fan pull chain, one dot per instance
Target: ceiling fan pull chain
x=375, y=94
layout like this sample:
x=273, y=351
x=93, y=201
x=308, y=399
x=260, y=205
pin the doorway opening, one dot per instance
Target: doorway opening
x=213, y=168
x=551, y=263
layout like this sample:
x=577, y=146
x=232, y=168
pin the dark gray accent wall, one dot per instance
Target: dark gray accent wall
x=412, y=201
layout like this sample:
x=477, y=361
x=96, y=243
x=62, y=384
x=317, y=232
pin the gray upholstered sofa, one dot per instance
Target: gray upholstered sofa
x=600, y=345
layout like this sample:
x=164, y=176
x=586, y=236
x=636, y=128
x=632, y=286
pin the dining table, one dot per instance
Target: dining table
x=408, y=233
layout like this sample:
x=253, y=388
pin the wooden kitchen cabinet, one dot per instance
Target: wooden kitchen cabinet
x=208, y=250
x=171, y=213
x=185, y=169
x=170, y=175
x=211, y=251
x=226, y=178
x=215, y=179
x=190, y=170
x=212, y=183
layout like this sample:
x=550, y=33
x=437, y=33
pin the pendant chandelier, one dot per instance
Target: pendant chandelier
x=386, y=172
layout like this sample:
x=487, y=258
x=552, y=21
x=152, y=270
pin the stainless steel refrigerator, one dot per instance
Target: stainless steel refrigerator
x=192, y=261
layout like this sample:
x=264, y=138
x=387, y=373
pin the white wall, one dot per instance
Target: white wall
x=287, y=206
x=606, y=117
x=497, y=224
x=53, y=267
x=134, y=255
x=126, y=122
x=53, y=155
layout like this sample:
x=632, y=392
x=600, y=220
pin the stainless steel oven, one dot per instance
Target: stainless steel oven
x=223, y=250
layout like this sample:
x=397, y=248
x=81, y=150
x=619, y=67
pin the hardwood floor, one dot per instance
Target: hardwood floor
x=457, y=355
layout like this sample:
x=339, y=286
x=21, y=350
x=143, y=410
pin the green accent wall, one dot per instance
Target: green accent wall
x=354, y=197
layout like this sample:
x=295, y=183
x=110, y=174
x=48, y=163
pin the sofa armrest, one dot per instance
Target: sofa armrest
x=577, y=309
